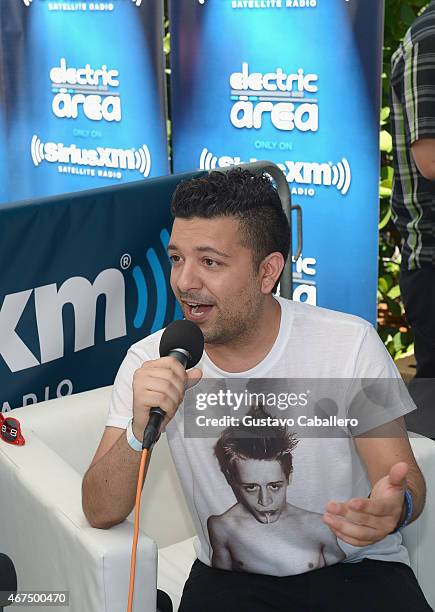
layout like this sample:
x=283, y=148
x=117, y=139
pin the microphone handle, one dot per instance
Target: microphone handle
x=157, y=415
x=153, y=427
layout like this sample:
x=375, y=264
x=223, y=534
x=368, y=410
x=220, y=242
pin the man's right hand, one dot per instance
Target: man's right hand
x=160, y=383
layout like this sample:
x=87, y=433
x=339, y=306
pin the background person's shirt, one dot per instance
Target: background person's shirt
x=412, y=119
x=312, y=343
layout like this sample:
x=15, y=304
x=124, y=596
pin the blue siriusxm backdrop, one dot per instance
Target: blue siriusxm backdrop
x=232, y=101
x=72, y=129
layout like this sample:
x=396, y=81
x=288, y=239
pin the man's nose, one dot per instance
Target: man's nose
x=188, y=278
x=264, y=497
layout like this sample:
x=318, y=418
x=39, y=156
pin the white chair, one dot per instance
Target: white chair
x=44, y=531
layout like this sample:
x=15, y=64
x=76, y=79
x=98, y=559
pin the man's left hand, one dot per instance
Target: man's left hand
x=364, y=521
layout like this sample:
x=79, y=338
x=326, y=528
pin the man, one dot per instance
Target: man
x=413, y=200
x=228, y=246
x=257, y=463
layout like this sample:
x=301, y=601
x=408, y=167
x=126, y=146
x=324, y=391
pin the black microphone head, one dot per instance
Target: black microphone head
x=183, y=335
x=8, y=580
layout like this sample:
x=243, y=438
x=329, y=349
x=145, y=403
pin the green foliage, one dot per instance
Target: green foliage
x=392, y=326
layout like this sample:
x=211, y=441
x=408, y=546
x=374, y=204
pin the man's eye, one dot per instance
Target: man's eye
x=174, y=258
x=250, y=488
x=210, y=263
x=275, y=487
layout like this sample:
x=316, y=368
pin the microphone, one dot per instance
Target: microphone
x=8, y=580
x=184, y=341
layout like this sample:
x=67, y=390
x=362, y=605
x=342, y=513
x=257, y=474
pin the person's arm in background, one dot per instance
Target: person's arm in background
x=109, y=485
x=419, y=103
x=423, y=152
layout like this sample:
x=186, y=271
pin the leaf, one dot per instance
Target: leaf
x=385, y=113
x=387, y=182
x=394, y=292
x=407, y=351
x=167, y=43
x=397, y=342
x=382, y=285
x=390, y=280
x=385, y=141
x=390, y=348
x=384, y=221
x=385, y=192
x=393, y=268
x=387, y=173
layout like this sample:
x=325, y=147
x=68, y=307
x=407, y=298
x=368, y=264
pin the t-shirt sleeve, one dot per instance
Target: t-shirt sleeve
x=121, y=401
x=377, y=394
x=419, y=90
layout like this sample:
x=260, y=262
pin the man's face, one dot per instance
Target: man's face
x=261, y=487
x=211, y=269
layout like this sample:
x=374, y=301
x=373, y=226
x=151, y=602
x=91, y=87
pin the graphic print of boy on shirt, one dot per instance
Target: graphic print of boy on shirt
x=262, y=533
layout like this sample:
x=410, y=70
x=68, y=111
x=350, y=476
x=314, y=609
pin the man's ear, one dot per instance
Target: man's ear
x=270, y=270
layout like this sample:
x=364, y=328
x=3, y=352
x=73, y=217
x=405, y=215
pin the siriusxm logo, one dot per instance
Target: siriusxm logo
x=283, y=98
x=85, y=89
x=48, y=303
x=302, y=173
x=82, y=293
x=102, y=157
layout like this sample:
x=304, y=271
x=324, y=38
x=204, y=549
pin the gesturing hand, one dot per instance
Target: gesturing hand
x=364, y=521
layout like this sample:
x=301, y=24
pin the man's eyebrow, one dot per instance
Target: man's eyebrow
x=200, y=249
x=203, y=249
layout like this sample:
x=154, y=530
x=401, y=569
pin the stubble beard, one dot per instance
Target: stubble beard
x=235, y=327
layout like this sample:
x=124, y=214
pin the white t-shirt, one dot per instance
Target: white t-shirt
x=236, y=524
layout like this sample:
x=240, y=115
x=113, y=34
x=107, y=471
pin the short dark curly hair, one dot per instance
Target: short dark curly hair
x=250, y=197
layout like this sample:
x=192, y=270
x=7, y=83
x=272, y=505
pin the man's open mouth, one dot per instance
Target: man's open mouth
x=196, y=310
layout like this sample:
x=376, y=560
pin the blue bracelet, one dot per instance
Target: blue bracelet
x=409, y=510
